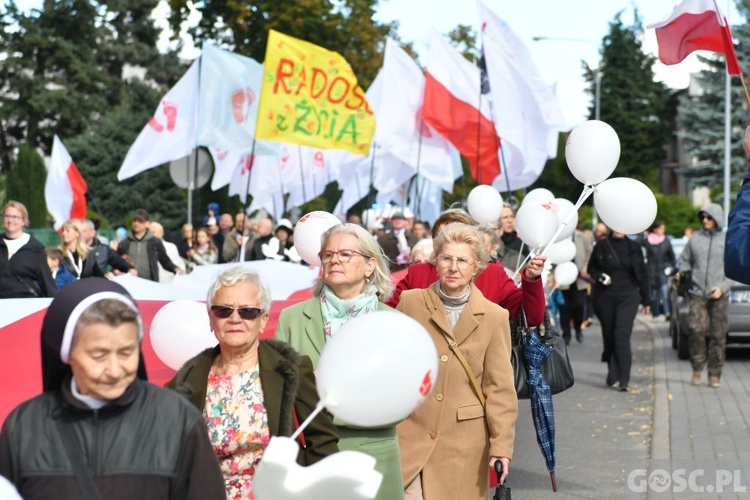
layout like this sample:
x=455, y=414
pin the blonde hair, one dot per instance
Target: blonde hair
x=457, y=233
x=20, y=207
x=451, y=216
x=368, y=246
x=81, y=247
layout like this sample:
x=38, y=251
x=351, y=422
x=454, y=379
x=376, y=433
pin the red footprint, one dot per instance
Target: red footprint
x=170, y=111
x=154, y=124
x=238, y=105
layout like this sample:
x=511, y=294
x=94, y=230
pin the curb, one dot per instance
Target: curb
x=660, y=442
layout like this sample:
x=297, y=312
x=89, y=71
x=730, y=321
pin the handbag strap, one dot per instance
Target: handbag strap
x=454, y=347
x=83, y=474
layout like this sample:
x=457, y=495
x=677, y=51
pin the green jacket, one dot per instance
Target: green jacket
x=288, y=384
x=301, y=326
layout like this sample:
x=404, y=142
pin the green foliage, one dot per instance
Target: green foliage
x=26, y=184
x=701, y=117
x=635, y=105
x=677, y=214
x=345, y=26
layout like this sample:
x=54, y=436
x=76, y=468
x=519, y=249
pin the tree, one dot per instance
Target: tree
x=701, y=116
x=345, y=26
x=635, y=105
x=65, y=65
x=26, y=184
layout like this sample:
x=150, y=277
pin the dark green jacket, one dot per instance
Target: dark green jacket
x=288, y=382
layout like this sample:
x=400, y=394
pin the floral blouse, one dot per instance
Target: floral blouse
x=237, y=422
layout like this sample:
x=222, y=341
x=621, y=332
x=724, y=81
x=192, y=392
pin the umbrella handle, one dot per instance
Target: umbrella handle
x=498, y=468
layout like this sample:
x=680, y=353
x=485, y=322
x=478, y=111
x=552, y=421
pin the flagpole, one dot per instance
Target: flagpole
x=249, y=171
x=479, y=133
x=727, y=138
x=419, y=159
x=373, y=147
x=301, y=173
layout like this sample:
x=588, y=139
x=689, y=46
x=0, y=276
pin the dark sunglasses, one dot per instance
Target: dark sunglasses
x=705, y=217
x=248, y=313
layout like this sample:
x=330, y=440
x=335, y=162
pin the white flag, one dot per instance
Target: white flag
x=400, y=123
x=171, y=132
x=518, y=115
x=230, y=88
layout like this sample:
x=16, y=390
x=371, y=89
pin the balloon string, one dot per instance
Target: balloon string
x=318, y=408
x=532, y=253
x=587, y=191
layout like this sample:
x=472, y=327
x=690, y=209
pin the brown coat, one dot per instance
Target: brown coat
x=449, y=438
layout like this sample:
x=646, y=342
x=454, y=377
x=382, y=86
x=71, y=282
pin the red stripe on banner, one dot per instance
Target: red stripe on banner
x=465, y=127
x=79, y=187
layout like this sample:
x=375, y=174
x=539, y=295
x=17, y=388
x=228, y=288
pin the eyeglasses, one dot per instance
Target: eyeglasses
x=345, y=256
x=447, y=261
x=13, y=217
x=248, y=313
x=705, y=217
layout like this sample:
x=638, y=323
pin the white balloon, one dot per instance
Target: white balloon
x=538, y=195
x=563, y=209
x=307, y=234
x=370, y=219
x=626, y=205
x=485, y=204
x=562, y=251
x=566, y=273
x=179, y=331
x=536, y=224
x=592, y=151
x=377, y=369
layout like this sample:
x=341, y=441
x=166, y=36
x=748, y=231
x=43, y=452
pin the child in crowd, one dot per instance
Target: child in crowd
x=60, y=273
x=554, y=299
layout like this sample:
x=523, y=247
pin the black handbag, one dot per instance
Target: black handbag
x=556, y=369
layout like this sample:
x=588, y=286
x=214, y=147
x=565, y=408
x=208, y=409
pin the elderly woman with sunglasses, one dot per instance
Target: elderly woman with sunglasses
x=468, y=422
x=355, y=281
x=250, y=389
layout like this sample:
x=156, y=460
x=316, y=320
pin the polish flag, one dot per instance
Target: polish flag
x=65, y=189
x=453, y=107
x=171, y=133
x=695, y=25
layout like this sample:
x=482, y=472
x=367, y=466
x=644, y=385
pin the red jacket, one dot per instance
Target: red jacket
x=494, y=284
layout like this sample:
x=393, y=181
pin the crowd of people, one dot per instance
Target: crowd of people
x=218, y=413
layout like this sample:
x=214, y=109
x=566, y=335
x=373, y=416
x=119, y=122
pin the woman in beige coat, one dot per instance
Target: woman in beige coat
x=448, y=443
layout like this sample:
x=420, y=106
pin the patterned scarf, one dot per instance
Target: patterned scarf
x=337, y=311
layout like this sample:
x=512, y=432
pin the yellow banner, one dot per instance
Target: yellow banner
x=310, y=96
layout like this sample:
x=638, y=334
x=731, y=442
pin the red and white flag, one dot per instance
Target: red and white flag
x=171, y=133
x=65, y=189
x=455, y=108
x=695, y=25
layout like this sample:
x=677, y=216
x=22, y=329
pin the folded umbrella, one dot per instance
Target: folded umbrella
x=535, y=351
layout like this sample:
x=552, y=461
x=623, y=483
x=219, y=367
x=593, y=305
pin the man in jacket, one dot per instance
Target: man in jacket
x=397, y=242
x=707, y=298
x=99, y=430
x=101, y=257
x=144, y=251
x=573, y=310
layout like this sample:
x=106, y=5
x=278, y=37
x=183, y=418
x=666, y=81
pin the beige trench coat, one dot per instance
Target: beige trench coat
x=450, y=437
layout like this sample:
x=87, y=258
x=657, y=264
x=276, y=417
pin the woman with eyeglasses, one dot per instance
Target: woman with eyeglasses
x=355, y=280
x=249, y=389
x=24, y=272
x=468, y=422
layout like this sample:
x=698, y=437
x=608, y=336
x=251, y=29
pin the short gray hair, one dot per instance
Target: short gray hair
x=88, y=223
x=240, y=274
x=368, y=246
x=461, y=233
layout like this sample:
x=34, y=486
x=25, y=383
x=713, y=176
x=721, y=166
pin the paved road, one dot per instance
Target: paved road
x=610, y=443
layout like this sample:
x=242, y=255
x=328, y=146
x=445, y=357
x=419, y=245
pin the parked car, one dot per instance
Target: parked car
x=738, y=326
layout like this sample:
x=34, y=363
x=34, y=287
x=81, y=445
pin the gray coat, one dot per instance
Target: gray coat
x=704, y=257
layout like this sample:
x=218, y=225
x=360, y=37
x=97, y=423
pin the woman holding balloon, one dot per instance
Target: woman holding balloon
x=468, y=422
x=491, y=280
x=355, y=281
x=618, y=267
x=249, y=390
